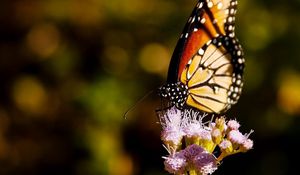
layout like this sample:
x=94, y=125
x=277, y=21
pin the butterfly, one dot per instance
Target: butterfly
x=206, y=68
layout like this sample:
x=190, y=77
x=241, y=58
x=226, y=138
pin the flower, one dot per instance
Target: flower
x=236, y=137
x=171, y=118
x=205, y=163
x=226, y=146
x=172, y=133
x=195, y=130
x=205, y=140
x=172, y=136
x=192, y=129
x=192, y=151
x=175, y=163
x=221, y=123
x=247, y=145
x=216, y=135
x=233, y=125
x=191, y=142
x=204, y=134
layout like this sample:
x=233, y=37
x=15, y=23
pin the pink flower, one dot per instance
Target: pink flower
x=236, y=137
x=192, y=129
x=216, y=133
x=171, y=118
x=171, y=122
x=225, y=144
x=175, y=163
x=233, y=125
x=205, y=163
x=192, y=150
x=172, y=136
x=247, y=145
x=204, y=134
x=191, y=142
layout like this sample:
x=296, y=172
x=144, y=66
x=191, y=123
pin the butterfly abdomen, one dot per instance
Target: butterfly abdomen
x=177, y=93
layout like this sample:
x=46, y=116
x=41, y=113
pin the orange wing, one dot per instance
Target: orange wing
x=209, y=19
x=212, y=77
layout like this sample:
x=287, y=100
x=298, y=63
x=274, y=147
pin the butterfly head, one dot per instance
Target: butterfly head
x=175, y=92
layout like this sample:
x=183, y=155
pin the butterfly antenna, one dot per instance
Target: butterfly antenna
x=139, y=101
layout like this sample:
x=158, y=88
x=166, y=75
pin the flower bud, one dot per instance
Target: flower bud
x=226, y=146
x=216, y=135
x=236, y=137
x=247, y=145
x=220, y=123
x=233, y=125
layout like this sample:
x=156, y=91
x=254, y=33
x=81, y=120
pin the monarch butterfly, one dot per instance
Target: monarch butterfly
x=207, y=65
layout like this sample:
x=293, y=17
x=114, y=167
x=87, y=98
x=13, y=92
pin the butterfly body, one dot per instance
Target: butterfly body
x=207, y=65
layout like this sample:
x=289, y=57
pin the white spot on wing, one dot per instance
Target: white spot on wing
x=232, y=11
x=220, y=5
x=201, y=52
x=239, y=53
x=231, y=35
x=236, y=89
x=210, y=4
x=203, y=20
x=234, y=95
x=193, y=19
x=200, y=5
x=240, y=61
x=186, y=35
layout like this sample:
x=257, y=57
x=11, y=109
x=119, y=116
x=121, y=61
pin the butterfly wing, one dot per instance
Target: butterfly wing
x=209, y=19
x=213, y=75
x=207, y=65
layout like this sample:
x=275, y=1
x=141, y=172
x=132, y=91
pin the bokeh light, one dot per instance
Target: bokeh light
x=43, y=40
x=29, y=95
x=289, y=92
x=149, y=56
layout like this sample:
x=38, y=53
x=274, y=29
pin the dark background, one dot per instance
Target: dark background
x=70, y=69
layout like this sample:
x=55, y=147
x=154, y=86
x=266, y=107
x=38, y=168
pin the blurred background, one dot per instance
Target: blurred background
x=69, y=69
